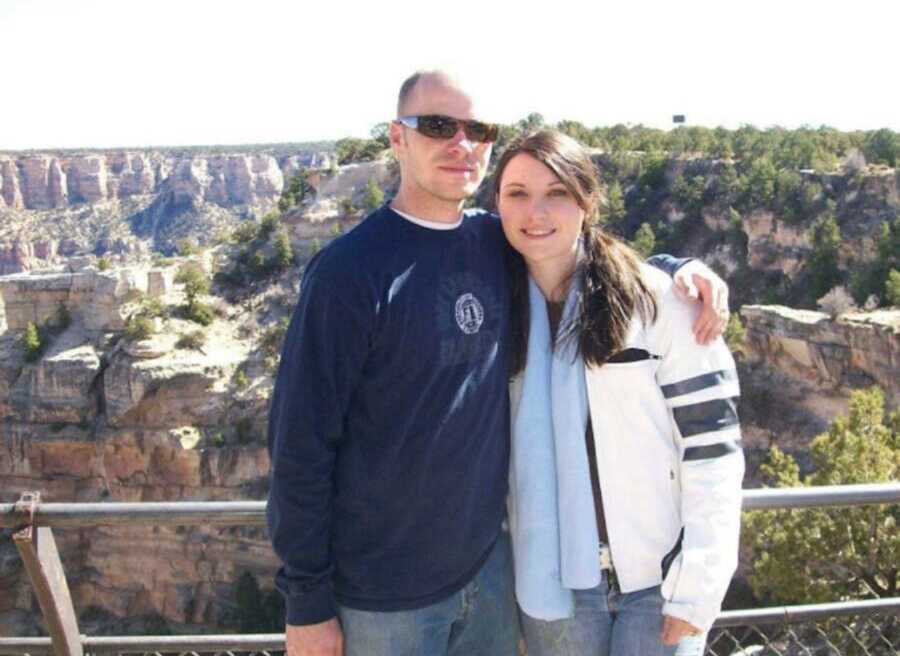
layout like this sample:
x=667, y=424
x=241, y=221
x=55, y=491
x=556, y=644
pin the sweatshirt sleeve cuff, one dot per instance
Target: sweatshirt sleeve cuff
x=312, y=607
x=668, y=263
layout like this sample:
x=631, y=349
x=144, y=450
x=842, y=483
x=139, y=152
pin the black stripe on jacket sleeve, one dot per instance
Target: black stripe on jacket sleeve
x=703, y=381
x=711, y=450
x=706, y=417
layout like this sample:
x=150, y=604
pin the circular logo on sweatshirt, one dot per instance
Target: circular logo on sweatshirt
x=469, y=314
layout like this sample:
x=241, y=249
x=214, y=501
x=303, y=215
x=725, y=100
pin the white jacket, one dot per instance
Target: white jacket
x=669, y=460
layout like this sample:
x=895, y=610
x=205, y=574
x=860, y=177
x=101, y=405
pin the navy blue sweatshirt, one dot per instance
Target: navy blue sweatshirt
x=389, y=423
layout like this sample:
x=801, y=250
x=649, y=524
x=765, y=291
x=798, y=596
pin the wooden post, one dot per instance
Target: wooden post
x=37, y=547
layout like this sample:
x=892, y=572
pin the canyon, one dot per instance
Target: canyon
x=101, y=416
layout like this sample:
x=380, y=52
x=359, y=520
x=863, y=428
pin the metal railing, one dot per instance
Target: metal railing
x=870, y=627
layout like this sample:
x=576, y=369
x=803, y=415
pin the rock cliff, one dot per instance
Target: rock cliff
x=56, y=205
x=797, y=369
x=100, y=417
x=831, y=355
x=48, y=181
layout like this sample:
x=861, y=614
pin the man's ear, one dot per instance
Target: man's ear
x=397, y=138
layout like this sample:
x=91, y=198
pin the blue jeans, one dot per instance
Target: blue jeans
x=479, y=620
x=607, y=623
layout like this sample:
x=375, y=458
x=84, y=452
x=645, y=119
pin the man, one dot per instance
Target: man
x=389, y=423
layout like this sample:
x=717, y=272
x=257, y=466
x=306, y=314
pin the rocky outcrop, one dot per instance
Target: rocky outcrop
x=45, y=181
x=774, y=245
x=855, y=350
x=324, y=215
x=225, y=180
x=185, y=574
x=131, y=174
x=95, y=298
x=87, y=179
x=98, y=417
x=68, y=203
x=42, y=181
x=58, y=388
x=10, y=189
x=156, y=385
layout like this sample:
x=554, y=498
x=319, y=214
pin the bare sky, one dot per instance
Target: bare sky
x=104, y=73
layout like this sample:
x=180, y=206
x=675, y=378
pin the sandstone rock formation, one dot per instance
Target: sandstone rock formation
x=45, y=181
x=95, y=298
x=98, y=417
x=827, y=357
x=323, y=217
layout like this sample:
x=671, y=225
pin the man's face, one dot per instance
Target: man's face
x=446, y=170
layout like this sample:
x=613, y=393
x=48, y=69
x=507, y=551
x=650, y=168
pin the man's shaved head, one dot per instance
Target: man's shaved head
x=420, y=79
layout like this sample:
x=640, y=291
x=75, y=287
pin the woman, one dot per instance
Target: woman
x=626, y=461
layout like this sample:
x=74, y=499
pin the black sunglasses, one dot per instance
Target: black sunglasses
x=444, y=127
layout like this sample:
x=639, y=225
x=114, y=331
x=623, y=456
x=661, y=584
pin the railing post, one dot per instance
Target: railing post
x=41, y=558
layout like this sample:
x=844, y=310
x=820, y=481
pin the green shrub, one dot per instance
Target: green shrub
x=139, y=327
x=31, y=341
x=195, y=283
x=198, y=312
x=614, y=207
x=217, y=439
x=194, y=340
x=689, y=193
x=272, y=338
x=644, y=240
x=268, y=224
x=153, y=307
x=162, y=261
x=295, y=191
x=240, y=379
x=352, y=150
x=245, y=232
x=653, y=171
x=822, y=263
x=735, y=334
x=104, y=263
x=283, y=256
x=187, y=246
x=892, y=288
x=373, y=196
x=820, y=554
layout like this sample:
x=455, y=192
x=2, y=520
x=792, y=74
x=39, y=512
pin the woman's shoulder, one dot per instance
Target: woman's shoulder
x=674, y=310
x=659, y=282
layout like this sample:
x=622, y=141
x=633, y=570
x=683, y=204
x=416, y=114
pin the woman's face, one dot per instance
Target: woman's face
x=540, y=217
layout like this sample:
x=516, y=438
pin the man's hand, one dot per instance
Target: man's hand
x=696, y=281
x=675, y=629
x=324, y=639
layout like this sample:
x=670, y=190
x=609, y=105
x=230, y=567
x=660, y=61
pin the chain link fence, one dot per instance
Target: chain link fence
x=866, y=628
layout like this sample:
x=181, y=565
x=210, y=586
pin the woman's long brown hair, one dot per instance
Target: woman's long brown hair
x=613, y=289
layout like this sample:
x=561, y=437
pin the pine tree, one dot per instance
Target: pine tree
x=818, y=555
x=615, y=202
x=644, y=240
x=374, y=196
x=284, y=253
x=823, y=261
x=32, y=342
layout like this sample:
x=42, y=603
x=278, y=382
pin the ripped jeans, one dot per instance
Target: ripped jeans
x=607, y=623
